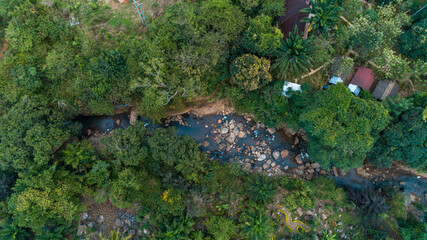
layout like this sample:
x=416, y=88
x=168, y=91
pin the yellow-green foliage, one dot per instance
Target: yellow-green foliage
x=250, y=72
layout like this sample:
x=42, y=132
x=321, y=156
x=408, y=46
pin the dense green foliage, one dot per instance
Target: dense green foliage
x=67, y=58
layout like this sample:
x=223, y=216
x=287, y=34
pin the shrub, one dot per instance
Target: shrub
x=368, y=200
x=396, y=202
x=261, y=188
x=256, y=225
x=300, y=194
x=221, y=228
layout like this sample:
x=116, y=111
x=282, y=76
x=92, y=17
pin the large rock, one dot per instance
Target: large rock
x=230, y=139
x=205, y=143
x=335, y=171
x=101, y=219
x=299, y=211
x=84, y=216
x=315, y=165
x=271, y=130
x=242, y=134
x=236, y=131
x=276, y=155
x=224, y=130
x=284, y=153
x=82, y=229
x=298, y=159
x=413, y=197
x=262, y=157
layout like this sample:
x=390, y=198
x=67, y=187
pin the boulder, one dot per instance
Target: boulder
x=205, y=143
x=118, y=121
x=100, y=219
x=324, y=217
x=224, y=130
x=413, y=197
x=276, y=155
x=247, y=167
x=242, y=134
x=265, y=166
x=273, y=164
x=119, y=223
x=84, y=216
x=298, y=159
x=90, y=224
x=231, y=138
x=262, y=157
x=219, y=121
x=236, y=132
x=271, y=130
x=269, y=162
x=315, y=165
x=296, y=141
x=284, y=153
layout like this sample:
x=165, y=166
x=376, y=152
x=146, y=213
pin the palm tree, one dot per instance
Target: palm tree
x=256, y=225
x=293, y=56
x=326, y=14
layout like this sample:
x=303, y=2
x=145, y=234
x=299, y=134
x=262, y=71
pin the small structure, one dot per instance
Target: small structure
x=290, y=86
x=293, y=17
x=354, y=89
x=384, y=89
x=335, y=80
x=363, y=78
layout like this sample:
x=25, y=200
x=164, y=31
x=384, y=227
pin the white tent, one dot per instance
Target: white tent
x=290, y=86
x=335, y=80
x=354, y=89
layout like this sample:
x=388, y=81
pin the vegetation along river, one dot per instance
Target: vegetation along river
x=237, y=139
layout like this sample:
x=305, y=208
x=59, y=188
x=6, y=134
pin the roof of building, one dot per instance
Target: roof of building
x=385, y=88
x=290, y=86
x=354, y=89
x=335, y=80
x=363, y=78
x=292, y=17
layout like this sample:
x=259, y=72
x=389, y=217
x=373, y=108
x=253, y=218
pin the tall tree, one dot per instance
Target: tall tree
x=326, y=14
x=341, y=127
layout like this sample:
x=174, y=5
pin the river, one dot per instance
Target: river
x=205, y=130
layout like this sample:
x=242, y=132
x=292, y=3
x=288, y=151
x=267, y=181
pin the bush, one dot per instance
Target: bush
x=368, y=200
x=325, y=189
x=221, y=228
x=256, y=225
x=261, y=188
x=396, y=202
x=300, y=194
x=250, y=72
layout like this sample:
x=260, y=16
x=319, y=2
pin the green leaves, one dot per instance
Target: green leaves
x=261, y=37
x=326, y=14
x=250, y=72
x=341, y=127
x=293, y=56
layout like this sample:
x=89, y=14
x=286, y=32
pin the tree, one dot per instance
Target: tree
x=256, y=225
x=176, y=228
x=326, y=14
x=250, y=72
x=223, y=17
x=30, y=132
x=262, y=38
x=221, y=228
x=116, y=235
x=413, y=43
x=403, y=140
x=392, y=66
x=261, y=188
x=341, y=127
x=11, y=231
x=33, y=208
x=129, y=145
x=294, y=56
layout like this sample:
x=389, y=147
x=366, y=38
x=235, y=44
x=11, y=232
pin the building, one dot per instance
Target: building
x=290, y=86
x=384, y=89
x=293, y=17
x=354, y=89
x=363, y=78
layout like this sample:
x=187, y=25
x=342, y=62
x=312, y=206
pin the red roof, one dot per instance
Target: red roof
x=363, y=78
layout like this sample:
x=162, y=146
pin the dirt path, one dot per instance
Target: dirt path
x=294, y=225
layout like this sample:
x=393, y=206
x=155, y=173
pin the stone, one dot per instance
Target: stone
x=242, y=134
x=219, y=121
x=269, y=162
x=335, y=171
x=230, y=139
x=271, y=130
x=90, y=224
x=89, y=132
x=205, y=144
x=402, y=183
x=311, y=171
x=324, y=216
x=236, y=132
x=296, y=141
x=413, y=197
x=265, y=166
x=247, y=160
x=299, y=211
x=224, y=130
x=309, y=176
x=118, y=121
x=310, y=213
x=276, y=155
x=247, y=166
x=284, y=153
x=307, y=165
x=262, y=157
x=85, y=216
x=323, y=172
x=273, y=164
x=231, y=126
x=101, y=219
x=286, y=167
x=315, y=165
x=127, y=222
x=298, y=159
x=131, y=232
x=342, y=172
x=82, y=229
x=119, y=222
x=218, y=140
